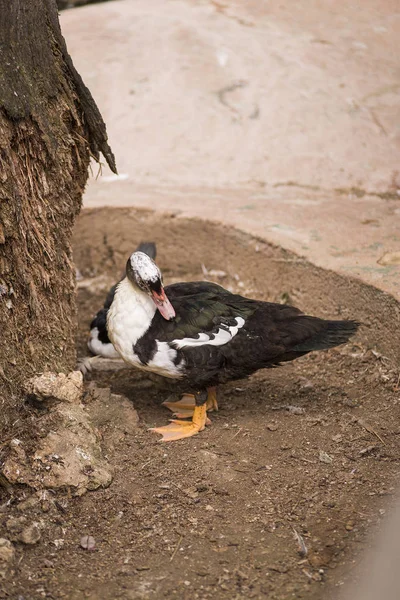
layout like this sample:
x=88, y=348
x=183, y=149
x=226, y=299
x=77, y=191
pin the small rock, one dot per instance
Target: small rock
x=325, y=458
x=7, y=552
x=305, y=386
x=296, y=410
x=88, y=542
x=337, y=438
x=69, y=456
x=272, y=426
x=66, y=388
x=209, y=459
x=350, y=402
x=16, y=468
x=191, y=493
x=31, y=534
x=279, y=568
x=318, y=560
x=29, y=503
x=349, y=525
x=21, y=531
x=14, y=527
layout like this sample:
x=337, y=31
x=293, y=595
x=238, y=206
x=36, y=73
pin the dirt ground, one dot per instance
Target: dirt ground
x=273, y=500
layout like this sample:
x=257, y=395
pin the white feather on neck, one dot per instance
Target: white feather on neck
x=128, y=319
x=129, y=316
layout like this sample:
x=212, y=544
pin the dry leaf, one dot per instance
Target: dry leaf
x=390, y=258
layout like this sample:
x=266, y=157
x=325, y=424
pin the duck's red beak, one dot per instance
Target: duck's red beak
x=163, y=304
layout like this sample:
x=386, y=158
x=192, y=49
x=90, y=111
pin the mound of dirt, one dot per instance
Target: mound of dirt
x=273, y=500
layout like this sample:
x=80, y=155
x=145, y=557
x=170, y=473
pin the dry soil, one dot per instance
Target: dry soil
x=273, y=500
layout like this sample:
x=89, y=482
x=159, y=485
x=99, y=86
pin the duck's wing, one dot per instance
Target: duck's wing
x=99, y=343
x=207, y=316
x=217, y=336
x=194, y=288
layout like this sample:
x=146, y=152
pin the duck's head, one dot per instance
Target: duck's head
x=143, y=273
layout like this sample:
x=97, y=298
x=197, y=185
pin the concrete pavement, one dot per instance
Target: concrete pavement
x=282, y=119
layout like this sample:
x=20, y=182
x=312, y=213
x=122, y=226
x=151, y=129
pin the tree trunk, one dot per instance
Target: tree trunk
x=49, y=128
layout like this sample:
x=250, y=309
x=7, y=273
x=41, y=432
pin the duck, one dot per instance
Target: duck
x=201, y=335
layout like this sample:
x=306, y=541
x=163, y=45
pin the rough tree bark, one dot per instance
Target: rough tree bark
x=49, y=127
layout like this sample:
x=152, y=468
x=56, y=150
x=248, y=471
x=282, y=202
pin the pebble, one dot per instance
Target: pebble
x=306, y=386
x=88, y=542
x=296, y=410
x=325, y=458
x=272, y=426
x=317, y=560
x=350, y=402
x=20, y=531
x=28, y=503
x=30, y=535
x=7, y=552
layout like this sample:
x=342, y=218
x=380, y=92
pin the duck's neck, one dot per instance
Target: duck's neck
x=129, y=316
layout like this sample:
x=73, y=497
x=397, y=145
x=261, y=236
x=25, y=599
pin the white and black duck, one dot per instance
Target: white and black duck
x=201, y=335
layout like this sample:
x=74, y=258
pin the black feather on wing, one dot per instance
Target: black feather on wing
x=201, y=307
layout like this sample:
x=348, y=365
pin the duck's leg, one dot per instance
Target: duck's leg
x=178, y=430
x=212, y=403
x=184, y=408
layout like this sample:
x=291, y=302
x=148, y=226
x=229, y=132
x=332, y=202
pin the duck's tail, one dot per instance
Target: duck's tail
x=323, y=335
x=331, y=334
